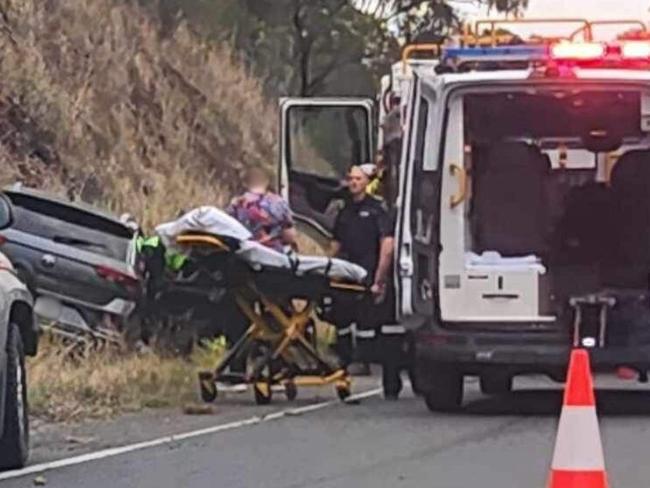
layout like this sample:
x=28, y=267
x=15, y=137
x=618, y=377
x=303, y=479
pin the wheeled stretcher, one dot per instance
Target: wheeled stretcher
x=279, y=294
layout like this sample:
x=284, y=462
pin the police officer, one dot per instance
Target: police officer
x=363, y=235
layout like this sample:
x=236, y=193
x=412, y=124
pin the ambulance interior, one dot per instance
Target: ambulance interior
x=560, y=184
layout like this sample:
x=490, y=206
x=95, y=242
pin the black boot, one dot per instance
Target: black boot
x=391, y=380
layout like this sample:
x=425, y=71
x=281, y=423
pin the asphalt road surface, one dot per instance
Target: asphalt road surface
x=493, y=443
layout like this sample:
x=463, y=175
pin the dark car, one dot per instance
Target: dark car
x=78, y=262
x=18, y=338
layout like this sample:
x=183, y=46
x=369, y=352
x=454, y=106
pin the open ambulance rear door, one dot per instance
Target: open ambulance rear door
x=320, y=139
x=418, y=226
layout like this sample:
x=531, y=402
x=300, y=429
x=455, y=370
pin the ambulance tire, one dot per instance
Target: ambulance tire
x=444, y=388
x=495, y=383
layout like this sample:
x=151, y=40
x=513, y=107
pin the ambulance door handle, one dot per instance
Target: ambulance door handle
x=461, y=174
x=405, y=261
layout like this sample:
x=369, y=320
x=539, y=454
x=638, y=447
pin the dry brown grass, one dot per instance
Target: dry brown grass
x=107, y=383
x=98, y=103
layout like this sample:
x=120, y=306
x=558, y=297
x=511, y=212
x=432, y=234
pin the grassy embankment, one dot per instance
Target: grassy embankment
x=106, y=383
x=101, y=102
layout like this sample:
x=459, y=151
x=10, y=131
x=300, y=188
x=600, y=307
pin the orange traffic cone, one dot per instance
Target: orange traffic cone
x=578, y=460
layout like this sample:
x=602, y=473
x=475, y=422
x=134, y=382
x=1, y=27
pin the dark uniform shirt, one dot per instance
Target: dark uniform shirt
x=359, y=229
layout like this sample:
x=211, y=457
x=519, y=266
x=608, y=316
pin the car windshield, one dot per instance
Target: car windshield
x=72, y=226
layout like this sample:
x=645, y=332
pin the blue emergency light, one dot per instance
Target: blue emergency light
x=497, y=53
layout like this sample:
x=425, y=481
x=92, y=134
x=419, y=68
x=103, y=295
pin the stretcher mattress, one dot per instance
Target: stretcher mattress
x=213, y=221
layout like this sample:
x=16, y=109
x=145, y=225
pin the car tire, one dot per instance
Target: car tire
x=444, y=389
x=495, y=383
x=14, y=443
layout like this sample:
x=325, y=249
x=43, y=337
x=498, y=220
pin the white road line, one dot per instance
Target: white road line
x=116, y=451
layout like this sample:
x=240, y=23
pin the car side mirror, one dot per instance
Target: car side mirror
x=6, y=212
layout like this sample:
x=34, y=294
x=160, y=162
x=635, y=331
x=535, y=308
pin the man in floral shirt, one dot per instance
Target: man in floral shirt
x=264, y=213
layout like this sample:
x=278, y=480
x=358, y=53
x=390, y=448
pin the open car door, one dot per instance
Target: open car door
x=321, y=139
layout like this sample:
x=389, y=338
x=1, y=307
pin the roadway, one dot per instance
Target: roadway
x=493, y=443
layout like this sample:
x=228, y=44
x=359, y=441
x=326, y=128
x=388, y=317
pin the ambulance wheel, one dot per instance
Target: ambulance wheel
x=495, y=383
x=263, y=393
x=291, y=390
x=444, y=389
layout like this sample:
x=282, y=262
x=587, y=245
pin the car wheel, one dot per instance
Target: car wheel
x=14, y=443
x=495, y=383
x=444, y=392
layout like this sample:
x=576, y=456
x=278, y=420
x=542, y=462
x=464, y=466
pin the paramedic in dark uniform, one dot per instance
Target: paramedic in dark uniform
x=363, y=235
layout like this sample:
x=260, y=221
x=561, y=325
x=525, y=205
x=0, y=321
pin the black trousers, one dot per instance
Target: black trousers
x=372, y=328
x=356, y=321
x=394, y=347
x=397, y=353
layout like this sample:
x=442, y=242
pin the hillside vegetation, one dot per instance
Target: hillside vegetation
x=98, y=101
x=143, y=106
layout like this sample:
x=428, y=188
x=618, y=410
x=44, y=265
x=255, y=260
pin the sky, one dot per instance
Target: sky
x=636, y=9
x=591, y=9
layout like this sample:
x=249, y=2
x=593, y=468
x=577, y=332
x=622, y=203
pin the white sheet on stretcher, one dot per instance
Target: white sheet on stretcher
x=206, y=219
x=212, y=220
x=492, y=260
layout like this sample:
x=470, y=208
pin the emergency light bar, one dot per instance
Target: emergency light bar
x=501, y=53
x=635, y=50
x=613, y=55
x=577, y=51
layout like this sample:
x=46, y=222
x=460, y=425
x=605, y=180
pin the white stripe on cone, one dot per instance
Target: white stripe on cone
x=578, y=446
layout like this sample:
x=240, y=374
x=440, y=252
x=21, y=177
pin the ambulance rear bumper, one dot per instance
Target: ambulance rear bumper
x=474, y=352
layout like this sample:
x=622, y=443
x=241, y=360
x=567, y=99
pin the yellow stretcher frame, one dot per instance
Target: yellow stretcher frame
x=286, y=337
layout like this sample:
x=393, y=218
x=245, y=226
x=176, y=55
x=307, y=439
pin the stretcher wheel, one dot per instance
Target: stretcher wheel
x=343, y=392
x=209, y=395
x=263, y=393
x=291, y=390
x=208, y=388
x=259, y=367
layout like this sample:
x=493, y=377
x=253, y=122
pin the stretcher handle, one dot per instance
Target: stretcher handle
x=348, y=286
x=459, y=197
x=202, y=239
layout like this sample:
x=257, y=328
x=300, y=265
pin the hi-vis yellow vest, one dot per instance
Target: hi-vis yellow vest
x=374, y=188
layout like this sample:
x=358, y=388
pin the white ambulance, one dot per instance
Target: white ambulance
x=523, y=204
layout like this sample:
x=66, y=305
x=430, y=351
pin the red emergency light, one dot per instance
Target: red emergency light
x=578, y=51
x=635, y=50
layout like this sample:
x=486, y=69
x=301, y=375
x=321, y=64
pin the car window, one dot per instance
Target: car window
x=71, y=226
